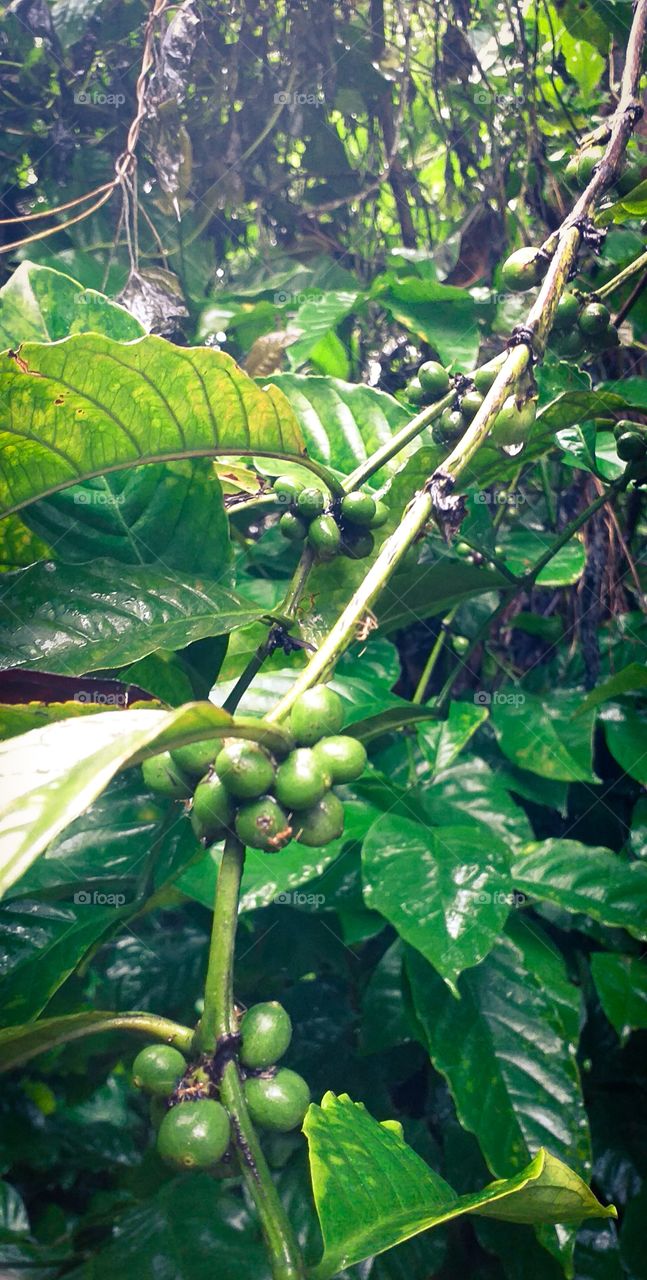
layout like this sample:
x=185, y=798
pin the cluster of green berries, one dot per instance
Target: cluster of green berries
x=242, y=788
x=631, y=447
x=580, y=167
x=331, y=527
x=513, y=422
x=582, y=326
x=193, y=1127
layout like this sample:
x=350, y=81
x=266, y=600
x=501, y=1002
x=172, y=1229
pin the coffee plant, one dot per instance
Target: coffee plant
x=323, y=835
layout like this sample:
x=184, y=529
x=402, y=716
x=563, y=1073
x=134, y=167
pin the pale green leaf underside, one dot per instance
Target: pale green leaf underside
x=50, y=775
x=90, y=405
x=372, y=1191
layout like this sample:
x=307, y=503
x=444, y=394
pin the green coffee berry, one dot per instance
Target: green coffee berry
x=343, y=758
x=434, y=379
x=631, y=447
x=324, y=537
x=594, y=319
x=266, y=1032
x=359, y=545
x=484, y=377
x=321, y=823
x=245, y=769
x=194, y=1135
x=568, y=309
x=524, y=269
x=263, y=824
x=450, y=427
x=310, y=503
x=569, y=344
x=301, y=780
x=470, y=404
x=278, y=1102
x=358, y=508
x=513, y=423
x=212, y=811
x=158, y=1068
x=287, y=488
x=381, y=514
x=197, y=757
x=316, y=713
x=164, y=776
x=293, y=527
x=414, y=392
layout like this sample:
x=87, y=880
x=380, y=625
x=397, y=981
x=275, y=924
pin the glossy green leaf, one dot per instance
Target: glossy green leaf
x=442, y=743
x=621, y=983
x=22, y=1043
x=508, y=1057
x=626, y=734
x=445, y=893
x=372, y=1191
x=386, y=1021
x=43, y=942
x=440, y=314
x=342, y=423
x=50, y=775
x=144, y=401
x=580, y=878
x=524, y=547
x=471, y=792
x=315, y=318
x=38, y=304
x=415, y=594
x=541, y=735
x=62, y=619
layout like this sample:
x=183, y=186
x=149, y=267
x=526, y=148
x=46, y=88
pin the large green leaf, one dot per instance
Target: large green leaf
x=49, y=776
x=631, y=678
x=59, y=618
x=89, y=405
x=342, y=423
x=445, y=893
x=316, y=318
x=19, y=1044
x=470, y=791
x=168, y=514
x=524, y=547
x=415, y=594
x=372, y=1191
x=440, y=314
x=626, y=734
x=540, y=734
x=441, y=744
x=508, y=1056
x=621, y=983
x=579, y=878
x=38, y=304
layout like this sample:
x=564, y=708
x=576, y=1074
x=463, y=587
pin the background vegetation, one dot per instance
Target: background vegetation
x=327, y=193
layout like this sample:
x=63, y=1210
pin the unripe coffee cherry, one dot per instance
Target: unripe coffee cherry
x=196, y=758
x=631, y=447
x=484, y=377
x=287, y=488
x=568, y=309
x=414, y=392
x=324, y=537
x=310, y=503
x=434, y=379
x=321, y=823
x=293, y=527
x=245, y=769
x=524, y=269
x=158, y=1068
x=263, y=824
x=316, y=714
x=164, y=776
x=594, y=319
x=277, y=1102
x=266, y=1032
x=381, y=514
x=301, y=780
x=212, y=811
x=194, y=1135
x=358, y=508
x=470, y=404
x=513, y=423
x=344, y=758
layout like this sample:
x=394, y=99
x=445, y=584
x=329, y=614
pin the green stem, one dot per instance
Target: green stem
x=626, y=274
x=397, y=442
x=218, y=1021
x=436, y=651
x=568, y=532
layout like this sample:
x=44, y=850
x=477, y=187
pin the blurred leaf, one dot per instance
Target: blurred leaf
x=626, y=734
x=621, y=983
x=315, y=318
